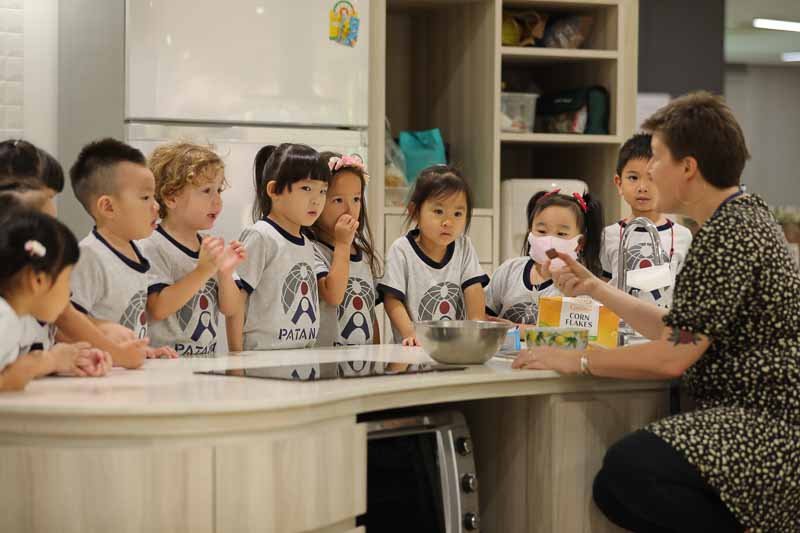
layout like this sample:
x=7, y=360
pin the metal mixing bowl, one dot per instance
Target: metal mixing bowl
x=461, y=342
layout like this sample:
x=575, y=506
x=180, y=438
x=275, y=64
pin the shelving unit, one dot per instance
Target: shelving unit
x=440, y=63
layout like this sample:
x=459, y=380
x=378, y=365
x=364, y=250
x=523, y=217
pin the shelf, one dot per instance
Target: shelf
x=558, y=138
x=521, y=54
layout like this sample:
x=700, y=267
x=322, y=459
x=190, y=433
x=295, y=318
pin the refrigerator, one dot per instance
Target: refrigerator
x=243, y=74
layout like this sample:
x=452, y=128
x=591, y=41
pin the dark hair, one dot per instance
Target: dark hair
x=590, y=223
x=363, y=241
x=52, y=173
x=637, y=147
x=284, y=164
x=438, y=181
x=91, y=174
x=27, y=192
x=22, y=225
x=19, y=160
x=702, y=126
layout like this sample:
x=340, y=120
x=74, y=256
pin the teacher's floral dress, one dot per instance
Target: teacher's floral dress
x=741, y=288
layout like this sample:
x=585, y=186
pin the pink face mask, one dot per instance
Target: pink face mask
x=541, y=243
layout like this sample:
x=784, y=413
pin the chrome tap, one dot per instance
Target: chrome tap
x=626, y=333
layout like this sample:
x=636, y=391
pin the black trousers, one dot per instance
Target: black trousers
x=645, y=485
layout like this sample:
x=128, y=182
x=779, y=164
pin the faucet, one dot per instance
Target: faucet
x=627, y=333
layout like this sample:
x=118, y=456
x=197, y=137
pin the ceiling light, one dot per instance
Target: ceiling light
x=790, y=57
x=774, y=24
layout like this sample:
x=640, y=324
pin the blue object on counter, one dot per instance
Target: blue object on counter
x=513, y=342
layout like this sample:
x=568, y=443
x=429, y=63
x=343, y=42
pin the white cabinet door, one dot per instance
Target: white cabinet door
x=266, y=62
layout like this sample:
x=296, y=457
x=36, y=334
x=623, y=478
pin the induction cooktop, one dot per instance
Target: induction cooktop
x=338, y=370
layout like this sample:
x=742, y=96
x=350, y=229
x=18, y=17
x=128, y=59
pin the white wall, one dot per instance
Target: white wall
x=11, y=68
x=40, y=95
x=765, y=101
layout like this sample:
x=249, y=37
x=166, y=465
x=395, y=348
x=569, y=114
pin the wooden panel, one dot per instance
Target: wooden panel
x=294, y=481
x=537, y=457
x=99, y=490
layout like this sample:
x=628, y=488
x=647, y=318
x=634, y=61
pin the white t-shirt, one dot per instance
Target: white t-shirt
x=108, y=286
x=192, y=330
x=431, y=290
x=278, y=275
x=512, y=296
x=36, y=335
x=640, y=254
x=10, y=334
x=351, y=322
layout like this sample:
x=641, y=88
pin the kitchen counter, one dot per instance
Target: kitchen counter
x=164, y=448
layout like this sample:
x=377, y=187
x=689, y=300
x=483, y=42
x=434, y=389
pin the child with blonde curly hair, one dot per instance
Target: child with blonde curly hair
x=192, y=273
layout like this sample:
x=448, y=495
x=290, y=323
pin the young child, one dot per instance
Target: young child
x=277, y=276
x=571, y=224
x=38, y=255
x=346, y=265
x=433, y=273
x=637, y=189
x=32, y=176
x=109, y=283
x=191, y=274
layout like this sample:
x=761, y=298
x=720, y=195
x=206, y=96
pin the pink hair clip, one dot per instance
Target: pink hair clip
x=581, y=201
x=35, y=249
x=348, y=161
x=548, y=194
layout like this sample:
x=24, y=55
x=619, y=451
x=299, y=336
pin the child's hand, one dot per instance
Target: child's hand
x=211, y=250
x=96, y=363
x=131, y=354
x=232, y=257
x=345, y=230
x=165, y=352
x=66, y=358
x=411, y=341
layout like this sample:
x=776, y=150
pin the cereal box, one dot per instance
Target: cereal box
x=580, y=313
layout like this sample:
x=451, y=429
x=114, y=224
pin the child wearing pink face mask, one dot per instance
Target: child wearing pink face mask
x=569, y=224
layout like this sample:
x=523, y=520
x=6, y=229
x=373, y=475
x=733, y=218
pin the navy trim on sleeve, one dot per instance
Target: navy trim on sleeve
x=244, y=286
x=482, y=279
x=390, y=290
x=490, y=312
x=80, y=308
x=607, y=274
x=156, y=288
x=321, y=275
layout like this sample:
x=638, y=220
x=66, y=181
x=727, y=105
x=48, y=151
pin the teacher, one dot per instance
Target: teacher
x=733, y=334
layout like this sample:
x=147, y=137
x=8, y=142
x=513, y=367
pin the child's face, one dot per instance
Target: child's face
x=344, y=198
x=198, y=206
x=442, y=220
x=135, y=210
x=555, y=221
x=302, y=204
x=636, y=186
x=666, y=173
x=52, y=297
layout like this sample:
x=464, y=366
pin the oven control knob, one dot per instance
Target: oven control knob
x=464, y=446
x=471, y=522
x=469, y=482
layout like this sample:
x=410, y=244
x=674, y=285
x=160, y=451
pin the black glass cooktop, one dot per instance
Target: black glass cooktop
x=341, y=370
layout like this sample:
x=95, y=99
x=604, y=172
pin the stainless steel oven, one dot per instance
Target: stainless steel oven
x=421, y=475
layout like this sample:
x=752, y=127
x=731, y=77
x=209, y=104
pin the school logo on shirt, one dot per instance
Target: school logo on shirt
x=642, y=255
x=299, y=297
x=356, y=313
x=135, y=315
x=199, y=320
x=522, y=313
x=443, y=301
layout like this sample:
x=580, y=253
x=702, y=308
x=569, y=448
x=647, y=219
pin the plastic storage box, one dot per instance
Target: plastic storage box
x=518, y=111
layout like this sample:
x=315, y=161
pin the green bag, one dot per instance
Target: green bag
x=583, y=110
x=421, y=149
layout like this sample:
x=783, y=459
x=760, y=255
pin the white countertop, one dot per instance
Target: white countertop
x=169, y=387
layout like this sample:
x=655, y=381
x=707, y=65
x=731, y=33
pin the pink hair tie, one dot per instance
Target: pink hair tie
x=348, y=161
x=35, y=249
x=581, y=202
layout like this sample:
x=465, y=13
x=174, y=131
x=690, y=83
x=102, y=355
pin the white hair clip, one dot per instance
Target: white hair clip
x=35, y=249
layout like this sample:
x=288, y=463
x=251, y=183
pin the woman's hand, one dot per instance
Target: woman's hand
x=562, y=361
x=573, y=279
x=411, y=341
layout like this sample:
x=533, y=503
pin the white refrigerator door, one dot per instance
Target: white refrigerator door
x=238, y=147
x=245, y=61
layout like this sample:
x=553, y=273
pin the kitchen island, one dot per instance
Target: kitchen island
x=164, y=449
